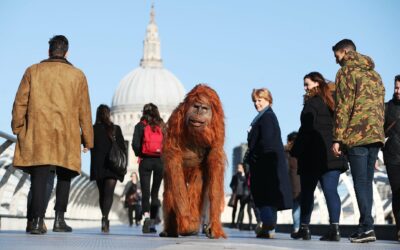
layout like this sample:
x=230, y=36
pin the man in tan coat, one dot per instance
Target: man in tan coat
x=51, y=117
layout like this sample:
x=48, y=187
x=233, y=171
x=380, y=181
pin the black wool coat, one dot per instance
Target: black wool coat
x=239, y=185
x=391, y=151
x=137, y=139
x=99, y=169
x=269, y=178
x=313, y=144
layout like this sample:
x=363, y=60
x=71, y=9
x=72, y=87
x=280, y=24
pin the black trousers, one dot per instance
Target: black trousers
x=39, y=177
x=244, y=200
x=138, y=213
x=147, y=167
x=106, y=194
x=393, y=172
x=49, y=190
x=234, y=208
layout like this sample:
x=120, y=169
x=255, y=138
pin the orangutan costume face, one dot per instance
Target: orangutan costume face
x=199, y=114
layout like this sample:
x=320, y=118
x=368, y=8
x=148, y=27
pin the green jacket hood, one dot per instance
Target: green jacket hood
x=357, y=60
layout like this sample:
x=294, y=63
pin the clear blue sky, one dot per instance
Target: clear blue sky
x=234, y=46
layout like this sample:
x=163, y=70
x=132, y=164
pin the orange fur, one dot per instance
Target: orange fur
x=184, y=186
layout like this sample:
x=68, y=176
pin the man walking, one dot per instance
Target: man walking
x=51, y=117
x=358, y=126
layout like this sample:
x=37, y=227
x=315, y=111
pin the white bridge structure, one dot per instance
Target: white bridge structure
x=15, y=184
x=83, y=201
x=381, y=210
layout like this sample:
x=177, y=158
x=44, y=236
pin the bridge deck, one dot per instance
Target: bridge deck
x=124, y=237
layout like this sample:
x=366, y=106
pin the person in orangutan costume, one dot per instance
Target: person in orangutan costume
x=194, y=164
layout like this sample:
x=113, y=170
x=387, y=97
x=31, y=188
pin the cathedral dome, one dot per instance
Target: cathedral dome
x=150, y=82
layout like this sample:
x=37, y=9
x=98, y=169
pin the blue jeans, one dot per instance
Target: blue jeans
x=362, y=162
x=296, y=215
x=329, y=183
x=268, y=215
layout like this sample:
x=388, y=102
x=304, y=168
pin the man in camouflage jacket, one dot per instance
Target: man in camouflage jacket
x=358, y=126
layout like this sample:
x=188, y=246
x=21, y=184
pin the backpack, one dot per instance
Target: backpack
x=152, y=141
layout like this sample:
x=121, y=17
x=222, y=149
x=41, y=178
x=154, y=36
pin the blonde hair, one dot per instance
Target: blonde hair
x=263, y=93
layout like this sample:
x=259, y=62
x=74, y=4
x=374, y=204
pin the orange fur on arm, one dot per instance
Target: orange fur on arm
x=174, y=180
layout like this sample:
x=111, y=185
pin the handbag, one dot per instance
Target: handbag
x=117, y=159
x=232, y=200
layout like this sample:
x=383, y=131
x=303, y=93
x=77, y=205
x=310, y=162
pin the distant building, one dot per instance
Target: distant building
x=237, y=156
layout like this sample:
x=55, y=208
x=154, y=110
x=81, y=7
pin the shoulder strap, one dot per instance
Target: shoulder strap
x=114, y=134
x=393, y=122
x=391, y=125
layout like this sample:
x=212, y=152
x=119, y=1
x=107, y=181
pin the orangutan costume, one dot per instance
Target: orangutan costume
x=194, y=162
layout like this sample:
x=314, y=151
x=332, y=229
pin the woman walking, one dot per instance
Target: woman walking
x=133, y=199
x=316, y=162
x=146, y=143
x=269, y=179
x=104, y=130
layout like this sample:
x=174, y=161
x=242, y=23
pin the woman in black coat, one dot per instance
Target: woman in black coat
x=99, y=170
x=316, y=162
x=269, y=179
x=241, y=189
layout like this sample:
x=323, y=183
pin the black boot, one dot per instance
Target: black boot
x=240, y=222
x=59, y=223
x=29, y=225
x=37, y=226
x=304, y=233
x=333, y=234
x=105, y=224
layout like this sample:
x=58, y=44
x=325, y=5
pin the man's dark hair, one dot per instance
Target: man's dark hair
x=58, y=46
x=292, y=136
x=344, y=44
x=396, y=79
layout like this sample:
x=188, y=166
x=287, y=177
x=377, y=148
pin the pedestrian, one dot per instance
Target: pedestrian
x=100, y=171
x=269, y=179
x=295, y=181
x=242, y=194
x=316, y=162
x=147, y=143
x=236, y=186
x=51, y=117
x=358, y=126
x=133, y=199
x=391, y=150
x=251, y=204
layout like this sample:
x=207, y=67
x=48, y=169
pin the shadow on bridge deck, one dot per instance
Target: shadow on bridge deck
x=86, y=235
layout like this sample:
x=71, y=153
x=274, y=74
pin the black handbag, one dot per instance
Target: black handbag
x=232, y=200
x=117, y=158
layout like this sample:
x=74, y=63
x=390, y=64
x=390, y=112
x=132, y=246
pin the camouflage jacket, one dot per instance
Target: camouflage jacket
x=359, y=112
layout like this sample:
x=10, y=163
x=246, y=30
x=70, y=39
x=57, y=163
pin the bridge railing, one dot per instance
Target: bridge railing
x=15, y=185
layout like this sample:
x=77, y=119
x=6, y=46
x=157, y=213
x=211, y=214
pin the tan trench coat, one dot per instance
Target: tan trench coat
x=51, y=116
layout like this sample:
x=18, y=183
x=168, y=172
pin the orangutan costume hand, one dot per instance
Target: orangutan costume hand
x=194, y=162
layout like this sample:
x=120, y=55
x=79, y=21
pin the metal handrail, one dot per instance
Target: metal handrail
x=10, y=139
x=83, y=181
x=8, y=136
